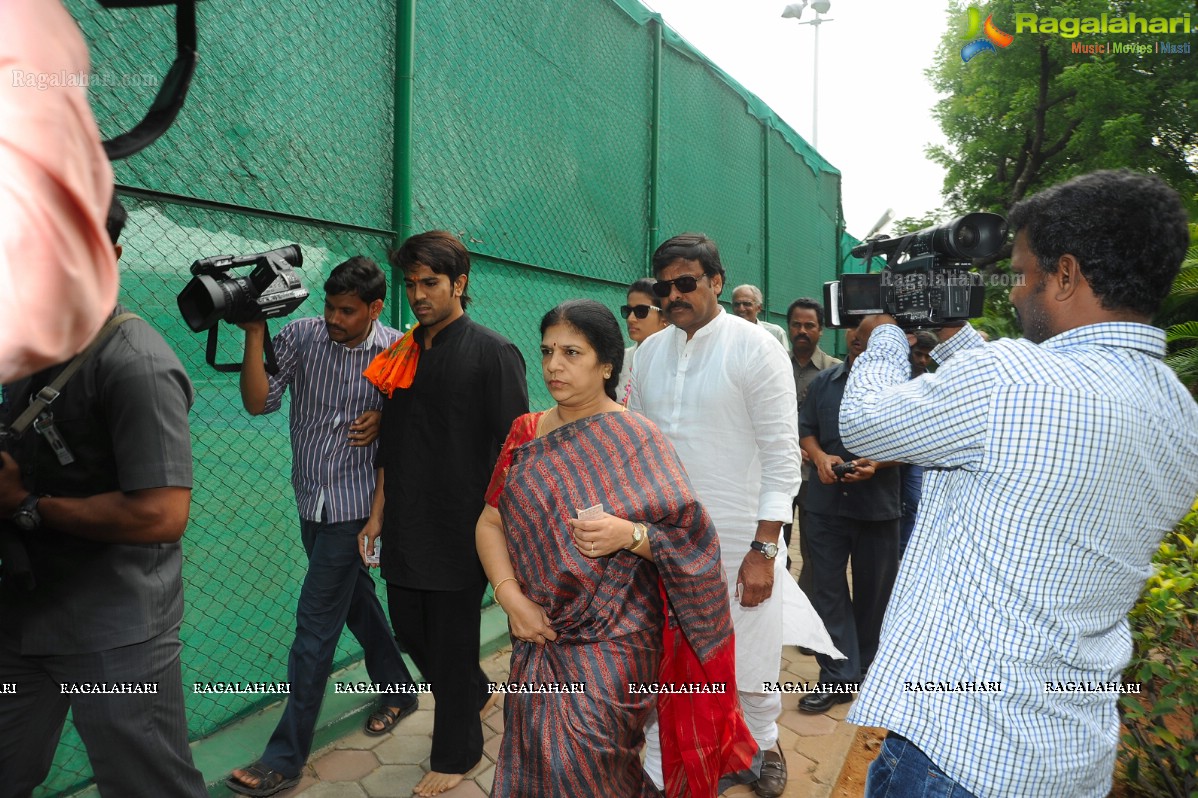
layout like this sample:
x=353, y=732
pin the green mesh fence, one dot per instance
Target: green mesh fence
x=532, y=139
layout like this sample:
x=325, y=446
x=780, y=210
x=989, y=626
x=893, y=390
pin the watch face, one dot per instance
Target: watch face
x=767, y=550
x=26, y=518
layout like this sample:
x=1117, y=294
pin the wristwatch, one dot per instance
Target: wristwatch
x=26, y=516
x=767, y=550
x=638, y=536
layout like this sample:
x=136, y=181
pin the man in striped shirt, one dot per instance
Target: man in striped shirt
x=335, y=416
x=1055, y=465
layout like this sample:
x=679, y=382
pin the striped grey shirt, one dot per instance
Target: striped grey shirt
x=328, y=392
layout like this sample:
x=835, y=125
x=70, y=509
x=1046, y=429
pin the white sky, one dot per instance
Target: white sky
x=874, y=101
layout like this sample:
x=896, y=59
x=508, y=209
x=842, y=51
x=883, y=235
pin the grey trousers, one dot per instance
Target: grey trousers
x=137, y=742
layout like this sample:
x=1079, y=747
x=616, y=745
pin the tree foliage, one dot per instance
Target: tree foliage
x=1160, y=739
x=1179, y=316
x=1035, y=113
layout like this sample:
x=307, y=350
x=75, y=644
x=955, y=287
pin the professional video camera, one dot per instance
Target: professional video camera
x=927, y=280
x=272, y=289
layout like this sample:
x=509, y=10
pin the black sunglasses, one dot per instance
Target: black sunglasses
x=685, y=284
x=640, y=311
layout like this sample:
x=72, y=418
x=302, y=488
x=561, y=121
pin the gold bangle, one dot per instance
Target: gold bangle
x=495, y=589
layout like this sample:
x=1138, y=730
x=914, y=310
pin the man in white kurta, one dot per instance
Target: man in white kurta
x=722, y=391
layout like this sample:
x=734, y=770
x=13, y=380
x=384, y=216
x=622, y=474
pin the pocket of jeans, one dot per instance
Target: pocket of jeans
x=881, y=771
x=888, y=752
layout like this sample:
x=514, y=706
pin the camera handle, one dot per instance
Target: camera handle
x=272, y=365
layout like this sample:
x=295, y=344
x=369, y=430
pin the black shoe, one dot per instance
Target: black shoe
x=772, y=781
x=806, y=652
x=817, y=703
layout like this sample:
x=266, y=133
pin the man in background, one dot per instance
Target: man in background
x=805, y=324
x=853, y=515
x=334, y=421
x=748, y=303
x=922, y=342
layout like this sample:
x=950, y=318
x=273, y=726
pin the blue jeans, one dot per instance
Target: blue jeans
x=903, y=771
x=338, y=591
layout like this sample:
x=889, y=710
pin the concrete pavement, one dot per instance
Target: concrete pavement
x=358, y=766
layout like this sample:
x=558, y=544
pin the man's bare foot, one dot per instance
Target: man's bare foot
x=491, y=702
x=435, y=783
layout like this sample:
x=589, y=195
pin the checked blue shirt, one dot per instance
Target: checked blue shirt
x=1054, y=472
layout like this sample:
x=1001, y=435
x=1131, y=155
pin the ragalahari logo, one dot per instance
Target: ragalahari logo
x=986, y=43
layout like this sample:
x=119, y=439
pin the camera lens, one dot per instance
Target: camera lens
x=967, y=236
x=974, y=235
x=202, y=302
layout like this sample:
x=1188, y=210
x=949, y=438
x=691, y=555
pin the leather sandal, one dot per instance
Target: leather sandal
x=388, y=717
x=269, y=781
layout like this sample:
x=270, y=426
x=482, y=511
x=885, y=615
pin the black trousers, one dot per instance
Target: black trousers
x=804, y=577
x=854, y=622
x=439, y=629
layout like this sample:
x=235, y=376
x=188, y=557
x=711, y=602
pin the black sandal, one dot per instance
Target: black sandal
x=269, y=781
x=388, y=716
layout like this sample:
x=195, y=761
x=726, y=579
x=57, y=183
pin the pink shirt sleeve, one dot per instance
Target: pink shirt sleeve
x=58, y=273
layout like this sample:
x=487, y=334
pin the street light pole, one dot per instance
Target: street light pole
x=795, y=11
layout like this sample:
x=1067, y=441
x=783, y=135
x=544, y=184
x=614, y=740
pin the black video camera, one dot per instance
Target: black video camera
x=927, y=280
x=272, y=289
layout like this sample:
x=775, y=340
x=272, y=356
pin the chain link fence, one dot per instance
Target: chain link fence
x=533, y=140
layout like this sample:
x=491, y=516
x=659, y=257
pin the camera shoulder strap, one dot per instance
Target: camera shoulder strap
x=51, y=392
x=173, y=90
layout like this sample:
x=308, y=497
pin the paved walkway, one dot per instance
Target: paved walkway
x=358, y=766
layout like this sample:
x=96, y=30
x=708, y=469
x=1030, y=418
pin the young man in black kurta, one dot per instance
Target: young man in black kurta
x=439, y=442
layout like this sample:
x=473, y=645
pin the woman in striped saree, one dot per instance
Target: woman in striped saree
x=591, y=529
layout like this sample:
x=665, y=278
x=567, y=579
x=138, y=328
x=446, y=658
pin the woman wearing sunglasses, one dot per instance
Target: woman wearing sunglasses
x=590, y=528
x=643, y=317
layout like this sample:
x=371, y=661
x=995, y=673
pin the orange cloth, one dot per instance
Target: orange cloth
x=395, y=366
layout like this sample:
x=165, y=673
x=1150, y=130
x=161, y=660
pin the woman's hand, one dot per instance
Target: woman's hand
x=601, y=536
x=527, y=618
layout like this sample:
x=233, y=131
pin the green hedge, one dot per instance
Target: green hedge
x=1160, y=741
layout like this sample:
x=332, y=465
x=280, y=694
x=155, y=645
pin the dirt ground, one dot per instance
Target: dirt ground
x=851, y=783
